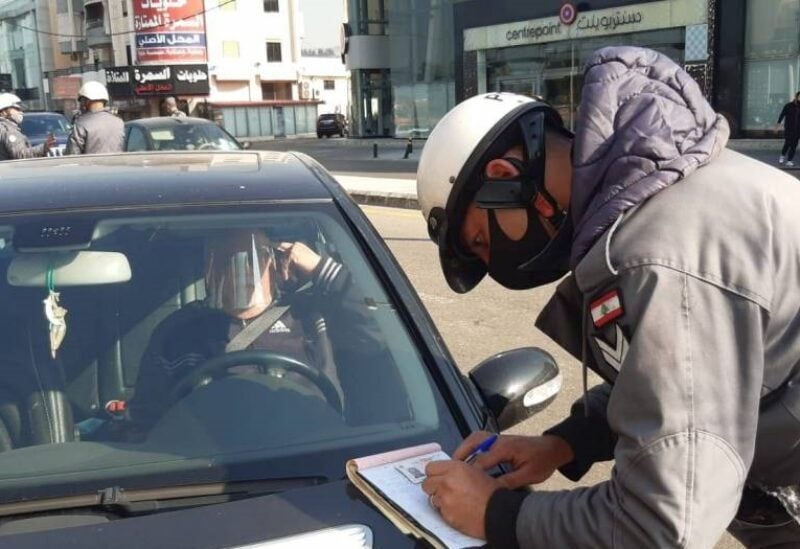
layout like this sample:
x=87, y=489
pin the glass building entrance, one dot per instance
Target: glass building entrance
x=771, y=61
x=554, y=71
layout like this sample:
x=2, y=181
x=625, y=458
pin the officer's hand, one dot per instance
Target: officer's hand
x=533, y=459
x=461, y=493
x=49, y=142
x=298, y=260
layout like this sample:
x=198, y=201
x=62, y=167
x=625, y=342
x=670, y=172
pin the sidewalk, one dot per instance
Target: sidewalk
x=380, y=191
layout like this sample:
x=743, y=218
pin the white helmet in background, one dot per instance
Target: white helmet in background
x=10, y=100
x=94, y=91
x=451, y=168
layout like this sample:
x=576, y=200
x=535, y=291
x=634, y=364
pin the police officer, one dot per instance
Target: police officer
x=96, y=130
x=13, y=143
x=683, y=296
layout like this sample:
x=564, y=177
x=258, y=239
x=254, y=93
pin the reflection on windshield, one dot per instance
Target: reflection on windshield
x=37, y=126
x=196, y=346
x=192, y=137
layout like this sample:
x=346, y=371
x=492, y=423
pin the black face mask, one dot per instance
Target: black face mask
x=550, y=263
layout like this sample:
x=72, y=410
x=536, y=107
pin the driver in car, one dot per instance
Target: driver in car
x=260, y=296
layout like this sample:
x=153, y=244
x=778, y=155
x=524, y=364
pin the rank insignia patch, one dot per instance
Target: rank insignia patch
x=615, y=355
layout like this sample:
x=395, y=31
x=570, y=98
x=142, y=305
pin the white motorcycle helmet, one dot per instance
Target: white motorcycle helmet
x=10, y=100
x=450, y=173
x=94, y=91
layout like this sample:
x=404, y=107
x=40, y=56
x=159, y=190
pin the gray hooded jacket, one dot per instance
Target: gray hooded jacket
x=686, y=289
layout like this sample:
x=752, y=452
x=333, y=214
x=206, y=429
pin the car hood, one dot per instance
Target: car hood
x=234, y=524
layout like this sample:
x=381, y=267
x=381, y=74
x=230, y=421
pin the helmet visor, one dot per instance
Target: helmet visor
x=240, y=271
x=461, y=270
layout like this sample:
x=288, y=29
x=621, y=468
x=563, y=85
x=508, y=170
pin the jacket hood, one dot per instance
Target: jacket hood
x=643, y=124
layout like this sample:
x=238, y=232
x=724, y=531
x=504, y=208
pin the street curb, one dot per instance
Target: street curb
x=755, y=144
x=268, y=138
x=390, y=200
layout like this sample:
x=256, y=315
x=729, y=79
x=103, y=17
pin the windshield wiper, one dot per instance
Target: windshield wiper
x=117, y=500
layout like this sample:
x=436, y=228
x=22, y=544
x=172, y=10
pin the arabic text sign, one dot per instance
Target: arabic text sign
x=190, y=79
x=147, y=80
x=606, y=22
x=169, y=31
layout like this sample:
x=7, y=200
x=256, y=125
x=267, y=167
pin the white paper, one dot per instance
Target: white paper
x=391, y=479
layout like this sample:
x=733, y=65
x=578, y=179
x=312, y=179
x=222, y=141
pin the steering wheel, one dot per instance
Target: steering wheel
x=217, y=366
x=206, y=147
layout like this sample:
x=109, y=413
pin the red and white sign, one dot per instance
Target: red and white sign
x=567, y=14
x=65, y=87
x=606, y=308
x=170, y=31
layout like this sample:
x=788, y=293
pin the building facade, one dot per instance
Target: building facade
x=419, y=57
x=401, y=58
x=324, y=78
x=543, y=49
x=23, y=57
x=238, y=60
x=254, y=51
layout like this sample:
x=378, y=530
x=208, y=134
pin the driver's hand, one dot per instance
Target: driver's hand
x=298, y=260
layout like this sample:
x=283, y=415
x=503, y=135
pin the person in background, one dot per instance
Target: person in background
x=171, y=108
x=13, y=143
x=96, y=130
x=790, y=116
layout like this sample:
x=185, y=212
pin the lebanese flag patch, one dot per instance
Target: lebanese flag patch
x=606, y=308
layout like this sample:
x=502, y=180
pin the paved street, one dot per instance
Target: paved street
x=355, y=156
x=344, y=155
x=485, y=321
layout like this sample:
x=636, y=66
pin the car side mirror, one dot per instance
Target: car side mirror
x=517, y=384
x=246, y=145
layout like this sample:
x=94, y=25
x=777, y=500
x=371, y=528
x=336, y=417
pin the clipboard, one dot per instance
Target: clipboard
x=392, y=481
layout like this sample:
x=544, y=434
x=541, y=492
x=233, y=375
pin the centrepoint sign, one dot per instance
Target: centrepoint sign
x=570, y=24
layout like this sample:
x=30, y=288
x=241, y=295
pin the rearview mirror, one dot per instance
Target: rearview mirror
x=81, y=268
x=517, y=384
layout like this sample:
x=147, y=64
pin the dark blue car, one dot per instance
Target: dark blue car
x=37, y=125
x=112, y=434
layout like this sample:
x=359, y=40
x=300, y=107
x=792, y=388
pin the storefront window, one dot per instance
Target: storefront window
x=422, y=64
x=554, y=70
x=772, y=60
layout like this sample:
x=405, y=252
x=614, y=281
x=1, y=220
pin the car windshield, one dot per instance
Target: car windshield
x=189, y=349
x=34, y=125
x=190, y=137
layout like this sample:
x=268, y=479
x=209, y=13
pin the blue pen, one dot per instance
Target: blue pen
x=482, y=448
